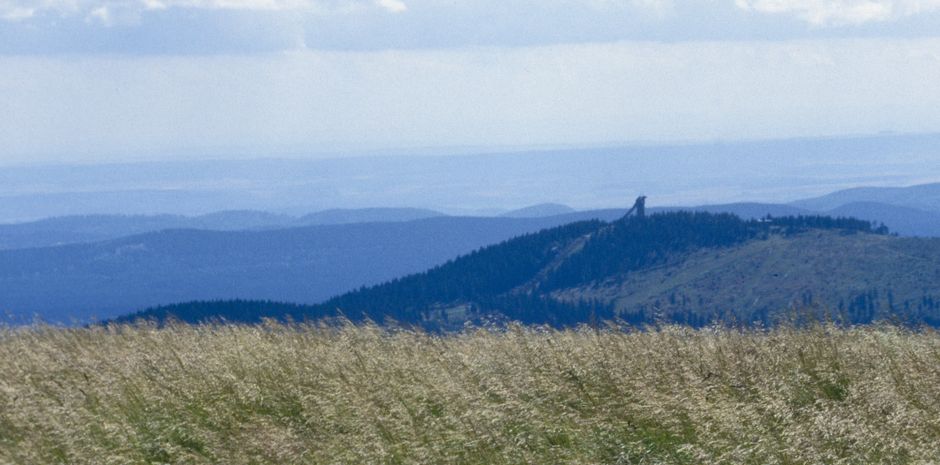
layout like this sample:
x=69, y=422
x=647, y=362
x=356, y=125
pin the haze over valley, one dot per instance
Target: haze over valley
x=775, y=171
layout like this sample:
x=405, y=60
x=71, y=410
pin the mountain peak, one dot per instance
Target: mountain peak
x=539, y=211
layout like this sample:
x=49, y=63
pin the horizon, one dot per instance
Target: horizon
x=471, y=181
x=444, y=150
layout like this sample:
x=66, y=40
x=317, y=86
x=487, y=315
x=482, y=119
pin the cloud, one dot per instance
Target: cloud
x=816, y=12
x=395, y=6
x=103, y=10
x=109, y=12
x=16, y=13
x=842, y=12
x=250, y=26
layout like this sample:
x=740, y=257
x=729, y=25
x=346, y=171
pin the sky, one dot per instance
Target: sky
x=122, y=80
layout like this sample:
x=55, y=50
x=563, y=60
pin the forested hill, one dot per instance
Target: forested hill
x=570, y=274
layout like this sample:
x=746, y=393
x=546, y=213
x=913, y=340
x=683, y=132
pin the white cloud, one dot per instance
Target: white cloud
x=644, y=4
x=395, y=6
x=102, y=14
x=816, y=12
x=110, y=11
x=104, y=10
x=841, y=12
x=16, y=13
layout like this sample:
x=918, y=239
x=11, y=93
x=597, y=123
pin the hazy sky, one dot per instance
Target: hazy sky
x=105, y=80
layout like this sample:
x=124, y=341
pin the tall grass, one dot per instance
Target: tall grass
x=306, y=394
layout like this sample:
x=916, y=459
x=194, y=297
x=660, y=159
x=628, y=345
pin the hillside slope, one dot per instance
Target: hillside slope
x=902, y=220
x=305, y=265
x=684, y=267
x=861, y=276
x=922, y=197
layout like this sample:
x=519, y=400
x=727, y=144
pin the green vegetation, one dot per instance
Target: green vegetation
x=551, y=277
x=857, y=279
x=275, y=394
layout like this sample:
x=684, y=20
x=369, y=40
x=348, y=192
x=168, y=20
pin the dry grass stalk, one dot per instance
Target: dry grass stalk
x=305, y=394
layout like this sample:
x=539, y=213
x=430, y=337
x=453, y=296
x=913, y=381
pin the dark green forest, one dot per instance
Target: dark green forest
x=510, y=281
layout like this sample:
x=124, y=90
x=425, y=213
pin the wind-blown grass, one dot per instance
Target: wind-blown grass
x=306, y=394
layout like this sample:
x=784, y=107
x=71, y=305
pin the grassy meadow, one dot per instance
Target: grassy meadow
x=275, y=394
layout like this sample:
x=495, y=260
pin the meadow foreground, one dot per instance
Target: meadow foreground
x=305, y=394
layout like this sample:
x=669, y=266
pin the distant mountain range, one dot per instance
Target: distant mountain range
x=902, y=220
x=907, y=211
x=365, y=215
x=867, y=204
x=539, y=211
x=93, y=228
x=924, y=197
x=682, y=267
x=103, y=265
x=307, y=264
